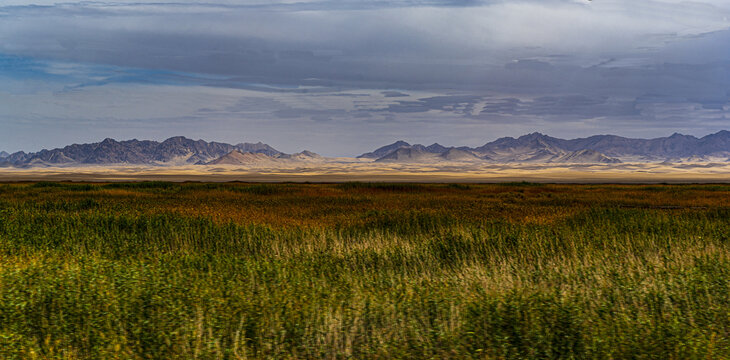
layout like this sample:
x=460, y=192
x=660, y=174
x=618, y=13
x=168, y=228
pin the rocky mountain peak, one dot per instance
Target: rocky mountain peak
x=538, y=147
x=175, y=150
x=436, y=148
x=382, y=151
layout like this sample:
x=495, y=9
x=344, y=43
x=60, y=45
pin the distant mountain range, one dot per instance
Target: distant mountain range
x=531, y=148
x=237, y=157
x=173, y=151
x=540, y=148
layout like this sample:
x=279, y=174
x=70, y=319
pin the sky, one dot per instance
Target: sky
x=342, y=77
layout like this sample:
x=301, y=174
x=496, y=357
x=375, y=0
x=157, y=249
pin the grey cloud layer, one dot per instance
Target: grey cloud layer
x=379, y=42
x=499, y=67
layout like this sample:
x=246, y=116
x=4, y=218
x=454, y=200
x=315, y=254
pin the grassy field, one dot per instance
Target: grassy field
x=357, y=270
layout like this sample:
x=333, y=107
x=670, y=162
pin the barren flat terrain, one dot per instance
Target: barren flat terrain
x=343, y=170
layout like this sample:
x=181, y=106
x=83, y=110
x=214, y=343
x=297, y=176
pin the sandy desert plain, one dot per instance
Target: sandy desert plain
x=351, y=169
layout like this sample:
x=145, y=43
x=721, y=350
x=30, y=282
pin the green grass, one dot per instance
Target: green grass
x=357, y=270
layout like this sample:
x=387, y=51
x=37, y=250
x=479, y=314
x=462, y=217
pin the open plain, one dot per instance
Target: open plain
x=349, y=169
x=363, y=270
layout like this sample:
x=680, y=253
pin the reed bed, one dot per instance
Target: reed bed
x=357, y=270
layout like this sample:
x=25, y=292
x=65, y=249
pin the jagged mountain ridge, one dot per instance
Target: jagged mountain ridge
x=676, y=146
x=407, y=154
x=305, y=155
x=385, y=150
x=175, y=150
x=237, y=157
x=541, y=148
x=530, y=148
x=420, y=154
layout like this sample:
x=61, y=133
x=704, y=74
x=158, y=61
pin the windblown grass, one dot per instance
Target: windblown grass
x=233, y=271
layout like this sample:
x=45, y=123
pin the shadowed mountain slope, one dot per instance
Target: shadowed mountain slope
x=175, y=150
x=236, y=157
x=385, y=150
x=530, y=148
x=408, y=154
x=540, y=148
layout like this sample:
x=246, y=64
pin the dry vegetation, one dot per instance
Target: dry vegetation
x=233, y=271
